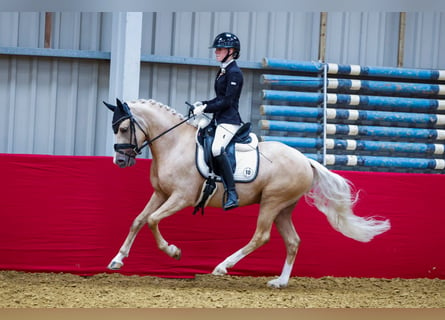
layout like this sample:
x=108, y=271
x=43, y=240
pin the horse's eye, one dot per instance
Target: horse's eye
x=123, y=129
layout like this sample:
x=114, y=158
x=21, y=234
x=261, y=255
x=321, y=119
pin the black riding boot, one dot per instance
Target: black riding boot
x=229, y=183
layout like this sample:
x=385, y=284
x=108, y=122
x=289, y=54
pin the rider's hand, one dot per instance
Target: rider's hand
x=199, y=108
x=197, y=104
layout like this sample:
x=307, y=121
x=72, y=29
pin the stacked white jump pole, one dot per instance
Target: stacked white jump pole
x=351, y=115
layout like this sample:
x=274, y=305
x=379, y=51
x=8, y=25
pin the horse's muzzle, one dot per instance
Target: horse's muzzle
x=124, y=160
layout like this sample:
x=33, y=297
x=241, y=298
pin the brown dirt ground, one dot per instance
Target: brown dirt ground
x=61, y=290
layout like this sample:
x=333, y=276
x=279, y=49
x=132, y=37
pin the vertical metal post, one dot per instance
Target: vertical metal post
x=401, y=45
x=322, y=40
x=125, y=61
x=48, y=29
x=325, y=106
x=321, y=58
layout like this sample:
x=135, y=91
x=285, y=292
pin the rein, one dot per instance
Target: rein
x=166, y=131
x=133, y=146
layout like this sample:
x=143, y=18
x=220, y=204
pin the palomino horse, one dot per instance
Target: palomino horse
x=282, y=180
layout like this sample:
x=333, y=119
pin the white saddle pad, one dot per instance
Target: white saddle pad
x=246, y=156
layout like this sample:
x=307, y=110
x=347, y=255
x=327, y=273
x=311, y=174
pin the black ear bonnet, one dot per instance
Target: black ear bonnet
x=121, y=113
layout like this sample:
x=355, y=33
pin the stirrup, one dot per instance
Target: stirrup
x=230, y=204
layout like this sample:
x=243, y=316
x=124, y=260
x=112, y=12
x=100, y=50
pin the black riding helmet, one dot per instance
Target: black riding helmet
x=227, y=40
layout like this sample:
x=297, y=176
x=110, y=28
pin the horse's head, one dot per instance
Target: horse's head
x=128, y=140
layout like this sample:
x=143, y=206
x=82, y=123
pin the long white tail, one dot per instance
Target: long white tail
x=332, y=195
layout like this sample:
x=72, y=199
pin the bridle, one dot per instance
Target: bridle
x=133, y=146
x=135, y=149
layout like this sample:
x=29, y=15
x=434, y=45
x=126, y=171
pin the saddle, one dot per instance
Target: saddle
x=242, y=152
x=243, y=155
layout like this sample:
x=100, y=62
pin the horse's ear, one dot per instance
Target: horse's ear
x=123, y=107
x=109, y=106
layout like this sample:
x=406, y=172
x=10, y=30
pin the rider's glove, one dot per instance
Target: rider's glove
x=199, y=108
x=197, y=104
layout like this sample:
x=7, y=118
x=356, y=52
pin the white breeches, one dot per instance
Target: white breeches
x=223, y=134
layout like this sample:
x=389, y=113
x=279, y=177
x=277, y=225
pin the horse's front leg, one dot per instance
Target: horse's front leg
x=155, y=202
x=173, y=204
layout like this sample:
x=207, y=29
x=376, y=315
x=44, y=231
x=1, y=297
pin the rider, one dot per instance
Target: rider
x=228, y=85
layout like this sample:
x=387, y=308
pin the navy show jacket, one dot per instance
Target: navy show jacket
x=228, y=86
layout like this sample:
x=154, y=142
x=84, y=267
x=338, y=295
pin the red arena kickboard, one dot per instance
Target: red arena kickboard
x=71, y=214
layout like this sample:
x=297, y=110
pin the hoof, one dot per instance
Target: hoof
x=174, y=252
x=277, y=284
x=178, y=255
x=219, y=271
x=114, y=265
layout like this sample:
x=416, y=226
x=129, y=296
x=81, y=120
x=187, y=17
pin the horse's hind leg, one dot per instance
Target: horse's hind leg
x=285, y=227
x=154, y=203
x=260, y=237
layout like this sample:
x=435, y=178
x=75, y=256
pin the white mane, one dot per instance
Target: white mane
x=196, y=122
x=192, y=122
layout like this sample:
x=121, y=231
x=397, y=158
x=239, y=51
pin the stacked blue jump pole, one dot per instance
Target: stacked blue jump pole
x=377, y=117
